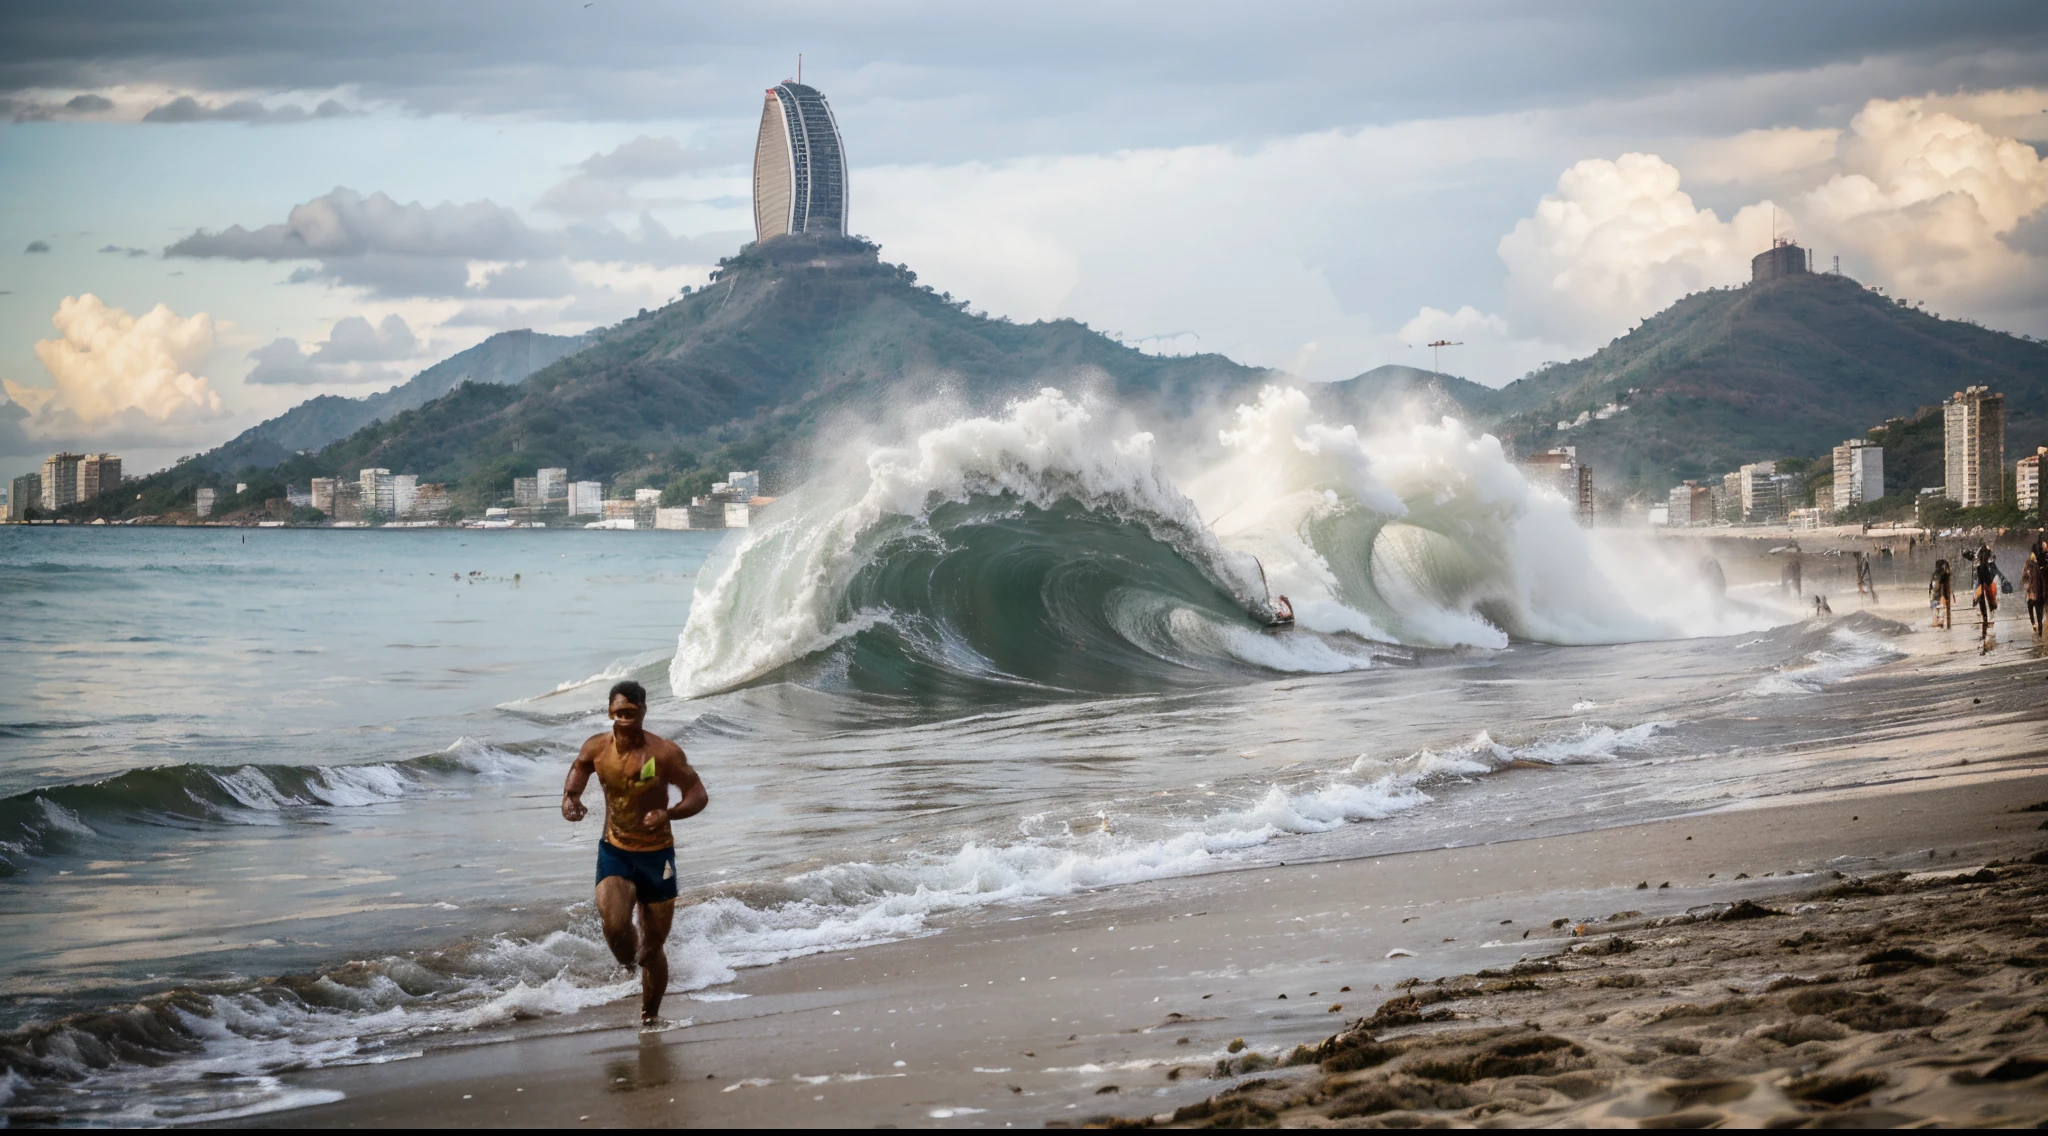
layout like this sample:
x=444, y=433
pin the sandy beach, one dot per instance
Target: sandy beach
x=1599, y=977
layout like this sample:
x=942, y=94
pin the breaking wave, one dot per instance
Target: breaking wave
x=1039, y=550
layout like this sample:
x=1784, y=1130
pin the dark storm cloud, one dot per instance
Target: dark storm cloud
x=936, y=79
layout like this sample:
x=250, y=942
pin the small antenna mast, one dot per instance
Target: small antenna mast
x=799, y=66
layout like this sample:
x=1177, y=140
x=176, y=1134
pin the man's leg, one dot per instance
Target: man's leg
x=653, y=957
x=615, y=910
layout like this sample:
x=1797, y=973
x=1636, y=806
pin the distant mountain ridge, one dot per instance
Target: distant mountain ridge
x=505, y=358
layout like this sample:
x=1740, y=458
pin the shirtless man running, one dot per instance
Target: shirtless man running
x=636, y=856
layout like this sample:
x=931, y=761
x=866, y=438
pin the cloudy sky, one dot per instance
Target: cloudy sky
x=210, y=212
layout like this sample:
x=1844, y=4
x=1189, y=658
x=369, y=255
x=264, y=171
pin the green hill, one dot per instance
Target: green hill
x=506, y=357
x=790, y=335
x=1392, y=386
x=1786, y=368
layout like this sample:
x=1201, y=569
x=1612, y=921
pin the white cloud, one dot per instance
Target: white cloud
x=1926, y=201
x=117, y=371
x=1619, y=241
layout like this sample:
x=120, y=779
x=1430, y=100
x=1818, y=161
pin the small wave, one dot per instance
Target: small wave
x=54, y=819
x=1851, y=647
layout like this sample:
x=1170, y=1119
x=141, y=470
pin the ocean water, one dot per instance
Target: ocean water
x=275, y=799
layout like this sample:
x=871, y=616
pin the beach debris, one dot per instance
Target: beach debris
x=1399, y=953
x=1335, y=1008
x=1343, y=990
x=1236, y=1045
x=1107, y=1089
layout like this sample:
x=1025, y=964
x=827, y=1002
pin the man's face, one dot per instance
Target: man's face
x=626, y=712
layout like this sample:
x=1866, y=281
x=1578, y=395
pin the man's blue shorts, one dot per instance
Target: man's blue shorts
x=652, y=874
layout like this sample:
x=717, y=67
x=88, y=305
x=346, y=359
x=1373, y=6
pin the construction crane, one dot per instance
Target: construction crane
x=1436, y=352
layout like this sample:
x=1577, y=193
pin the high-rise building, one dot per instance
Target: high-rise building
x=97, y=474
x=2028, y=482
x=1761, y=499
x=323, y=494
x=1559, y=469
x=586, y=499
x=405, y=490
x=525, y=492
x=24, y=493
x=1973, y=447
x=379, y=498
x=1859, y=473
x=60, y=480
x=799, y=165
x=551, y=487
x=1690, y=504
x=202, y=502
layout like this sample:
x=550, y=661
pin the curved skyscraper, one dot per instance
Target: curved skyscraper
x=799, y=165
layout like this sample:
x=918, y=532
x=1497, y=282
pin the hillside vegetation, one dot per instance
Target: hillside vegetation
x=1791, y=367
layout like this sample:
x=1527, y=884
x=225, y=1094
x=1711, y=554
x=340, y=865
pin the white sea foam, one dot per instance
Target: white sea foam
x=1849, y=652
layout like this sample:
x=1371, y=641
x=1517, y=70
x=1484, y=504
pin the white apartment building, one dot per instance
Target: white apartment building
x=405, y=493
x=586, y=498
x=550, y=486
x=377, y=491
x=1761, y=499
x=203, y=503
x=1859, y=473
x=2029, y=479
x=1973, y=447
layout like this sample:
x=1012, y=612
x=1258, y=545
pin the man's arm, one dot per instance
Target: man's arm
x=580, y=771
x=675, y=769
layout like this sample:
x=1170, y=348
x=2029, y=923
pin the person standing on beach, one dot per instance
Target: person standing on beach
x=1986, y=593
x=1865, y=585
x=636, y=855
x=1941, y=594
x=2034, y=578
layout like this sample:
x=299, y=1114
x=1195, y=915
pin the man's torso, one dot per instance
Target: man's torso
x=632, y=784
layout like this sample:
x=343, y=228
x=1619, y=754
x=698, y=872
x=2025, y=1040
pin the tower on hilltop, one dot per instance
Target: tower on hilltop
x=1784, y=258
x=799, y=165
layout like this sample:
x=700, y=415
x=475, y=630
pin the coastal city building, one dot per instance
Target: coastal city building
x=2028, y=481
x=24, y=493
x=202, y=502
x=379, y=496
x=1859, y=474
x=430, y=501
x=1973, y=447
x=60, y=480
x=526, y=492
x=799, y=165
x=586, y=499
x=1690, y=505
x=1761, y=496
x=97, y=474
x=405, y=491
x=551, y=487
x=1560, y=470
x=322, y=494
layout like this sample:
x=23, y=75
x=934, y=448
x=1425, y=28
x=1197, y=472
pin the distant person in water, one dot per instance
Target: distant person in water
x=1865, y=585
x=2034, y=578
x=636, y=855
x=1941, y=594
x=1283, y=611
